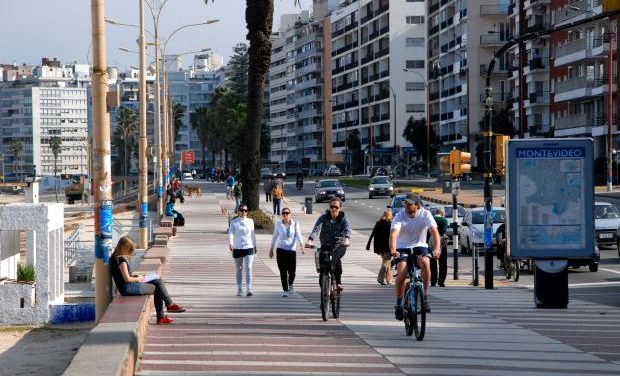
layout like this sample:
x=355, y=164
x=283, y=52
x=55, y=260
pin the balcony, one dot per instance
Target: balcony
x=344, y=68
x=433, y=7
x=494, y=39
x=344, y=86
x=494, y=10
x=581, y=49
x=308, y=99
x=538, y=26
x=541, y=130
x=537, y=63
x=307, y=84
x=432, y=30
x=346, y=124
x=313, y=112
x=538, y=98
x=344, y=49
x=573, y=121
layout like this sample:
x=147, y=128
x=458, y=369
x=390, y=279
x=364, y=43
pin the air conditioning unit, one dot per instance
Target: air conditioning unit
x=483, y=69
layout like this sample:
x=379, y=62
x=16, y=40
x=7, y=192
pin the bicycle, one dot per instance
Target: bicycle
x=330, y=293
x=414, y=314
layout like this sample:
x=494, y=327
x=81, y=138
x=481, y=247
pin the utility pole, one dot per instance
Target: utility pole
x=102, y=162
x=160, y=190
x=142, y=144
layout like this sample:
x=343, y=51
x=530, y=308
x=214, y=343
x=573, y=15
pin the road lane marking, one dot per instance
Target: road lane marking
x=610, y=270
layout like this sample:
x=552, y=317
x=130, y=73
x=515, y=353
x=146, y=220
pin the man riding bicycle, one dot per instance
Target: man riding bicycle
x=408, y=236
x=335, y=232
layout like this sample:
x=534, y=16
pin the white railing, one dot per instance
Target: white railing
x=572, y=84
x=571, y=48
x=572, y=121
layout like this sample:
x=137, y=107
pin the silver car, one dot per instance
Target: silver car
x=380, y=186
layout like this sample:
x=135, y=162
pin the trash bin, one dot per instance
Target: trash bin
x=308, y=205
x=446, y=187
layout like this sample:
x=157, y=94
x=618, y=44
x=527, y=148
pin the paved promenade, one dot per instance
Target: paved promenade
x=471, y=331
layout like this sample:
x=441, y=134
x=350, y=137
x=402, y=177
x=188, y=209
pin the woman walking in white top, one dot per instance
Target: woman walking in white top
x=242, y=244
x=287, y=235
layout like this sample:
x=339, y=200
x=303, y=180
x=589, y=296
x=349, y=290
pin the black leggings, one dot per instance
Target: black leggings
x=287, y=263
x=157, y=288
x=442, y=264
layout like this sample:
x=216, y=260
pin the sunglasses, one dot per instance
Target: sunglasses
x=286, y=213
x=334, y=207
x=243, y=210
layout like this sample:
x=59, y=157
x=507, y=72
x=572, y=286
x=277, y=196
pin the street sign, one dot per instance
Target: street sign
x=187, y=157
x=550, y=198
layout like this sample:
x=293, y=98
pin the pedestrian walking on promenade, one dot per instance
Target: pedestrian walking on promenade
x=128, y=284
x=286, y=236
x=268, y=187
x=237, y=193
x=277, y=195
x=230, y=184
x=381, y=234
x=441, y=264
x=242, y=245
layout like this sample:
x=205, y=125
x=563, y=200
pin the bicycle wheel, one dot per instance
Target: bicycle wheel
x=408, y=310
x=419, y=315
x=516, y=270
x=325, y=284
x=335, y=301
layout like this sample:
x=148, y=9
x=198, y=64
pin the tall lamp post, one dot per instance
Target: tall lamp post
x=428, y=121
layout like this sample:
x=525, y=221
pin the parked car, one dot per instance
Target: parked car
x=397, y=203
x=326, y=189
x=265, y=173
x=187, y=176
x=606, y=223
x=332, y=171
x=460, y=213
x=380, y=186
x=471, y=231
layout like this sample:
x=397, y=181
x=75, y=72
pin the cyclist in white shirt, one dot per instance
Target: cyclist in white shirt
x=408, y=236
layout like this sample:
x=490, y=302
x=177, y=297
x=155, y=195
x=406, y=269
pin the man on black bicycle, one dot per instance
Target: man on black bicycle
x=335, y=232
x=408, y=235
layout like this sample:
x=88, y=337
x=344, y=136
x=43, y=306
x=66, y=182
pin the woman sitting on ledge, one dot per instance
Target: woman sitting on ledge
x=129, y=284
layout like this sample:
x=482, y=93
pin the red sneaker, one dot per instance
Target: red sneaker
x=175, y=308
x=164, y=320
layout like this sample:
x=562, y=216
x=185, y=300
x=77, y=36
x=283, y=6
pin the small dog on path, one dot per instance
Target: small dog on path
x=193, y=189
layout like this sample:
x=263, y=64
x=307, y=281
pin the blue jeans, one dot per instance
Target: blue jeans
x=156, y=287
x=237, y=203
x=276, y=205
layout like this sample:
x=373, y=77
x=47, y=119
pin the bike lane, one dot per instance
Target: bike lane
x=470, y=331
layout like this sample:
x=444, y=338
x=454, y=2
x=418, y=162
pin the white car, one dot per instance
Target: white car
x=606, y=223
x=380, y=186
x=187, y=176
x=332, y=171
x=471, y=231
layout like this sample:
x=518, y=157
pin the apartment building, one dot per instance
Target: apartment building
x=38, y=103
x=581, y=74
x=463, y=36
x=378, y=73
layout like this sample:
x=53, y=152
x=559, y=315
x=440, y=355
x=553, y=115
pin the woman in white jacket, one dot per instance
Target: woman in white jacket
x=287, y=236
x=242, y=244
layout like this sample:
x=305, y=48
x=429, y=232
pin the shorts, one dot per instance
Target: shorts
x=416, y=251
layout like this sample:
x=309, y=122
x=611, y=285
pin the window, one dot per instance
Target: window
x=415, y=64
x=415, y=108
x=414, y=86
x=414, y=20
x=415, y=42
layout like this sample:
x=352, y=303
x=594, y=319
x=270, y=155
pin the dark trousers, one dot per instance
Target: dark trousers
x=338, y=254
x=276, y=206
x=157, y=288
x=287, y=263
x=442, y=263
x=267, y=197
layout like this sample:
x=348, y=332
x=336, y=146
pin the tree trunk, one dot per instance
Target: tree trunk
x=226, y=165
x=204, y=161
x=55, y=180
x=259, y=21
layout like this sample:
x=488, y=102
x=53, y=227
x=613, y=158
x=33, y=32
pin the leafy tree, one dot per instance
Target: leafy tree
x=259, y=22
x=17, y=147
x=198, y=121
x=56, y=148
x=502, y=122
x=240, y=62
x=415, y=133
x=178, y=112
x=356, y=156
x=124, y=137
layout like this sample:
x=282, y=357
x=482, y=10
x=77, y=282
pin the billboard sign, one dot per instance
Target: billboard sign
x=550, y=198
x=187, y=157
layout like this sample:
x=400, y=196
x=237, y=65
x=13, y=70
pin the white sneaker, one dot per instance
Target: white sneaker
x=291, y=289
x=285, y=294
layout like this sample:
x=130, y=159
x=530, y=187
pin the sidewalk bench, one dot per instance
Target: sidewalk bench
x=166, y=221
x=163, y=231
x=157, y=252
x=160, y=239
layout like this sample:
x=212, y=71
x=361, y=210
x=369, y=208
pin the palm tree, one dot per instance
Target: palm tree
x=126, y=129
x=198, y=121
x=259, y=21
x=56, y=148
x=16, y=146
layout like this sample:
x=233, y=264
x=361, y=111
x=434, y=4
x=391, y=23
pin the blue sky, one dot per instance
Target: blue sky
x=32, y=29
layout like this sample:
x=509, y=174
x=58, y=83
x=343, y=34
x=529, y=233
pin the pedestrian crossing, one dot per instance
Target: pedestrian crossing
x=471, y=331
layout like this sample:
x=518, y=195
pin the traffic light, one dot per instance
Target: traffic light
x=500, y=154
x=610, y=5
x=444, y=163
x=460, y=163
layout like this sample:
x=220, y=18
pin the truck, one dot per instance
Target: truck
x=75, y=191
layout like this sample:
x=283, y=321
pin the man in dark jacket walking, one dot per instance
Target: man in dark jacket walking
x=442, y=263
x=381, y=234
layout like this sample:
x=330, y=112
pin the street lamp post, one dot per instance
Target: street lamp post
x=428, y=121
x=142, y=143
